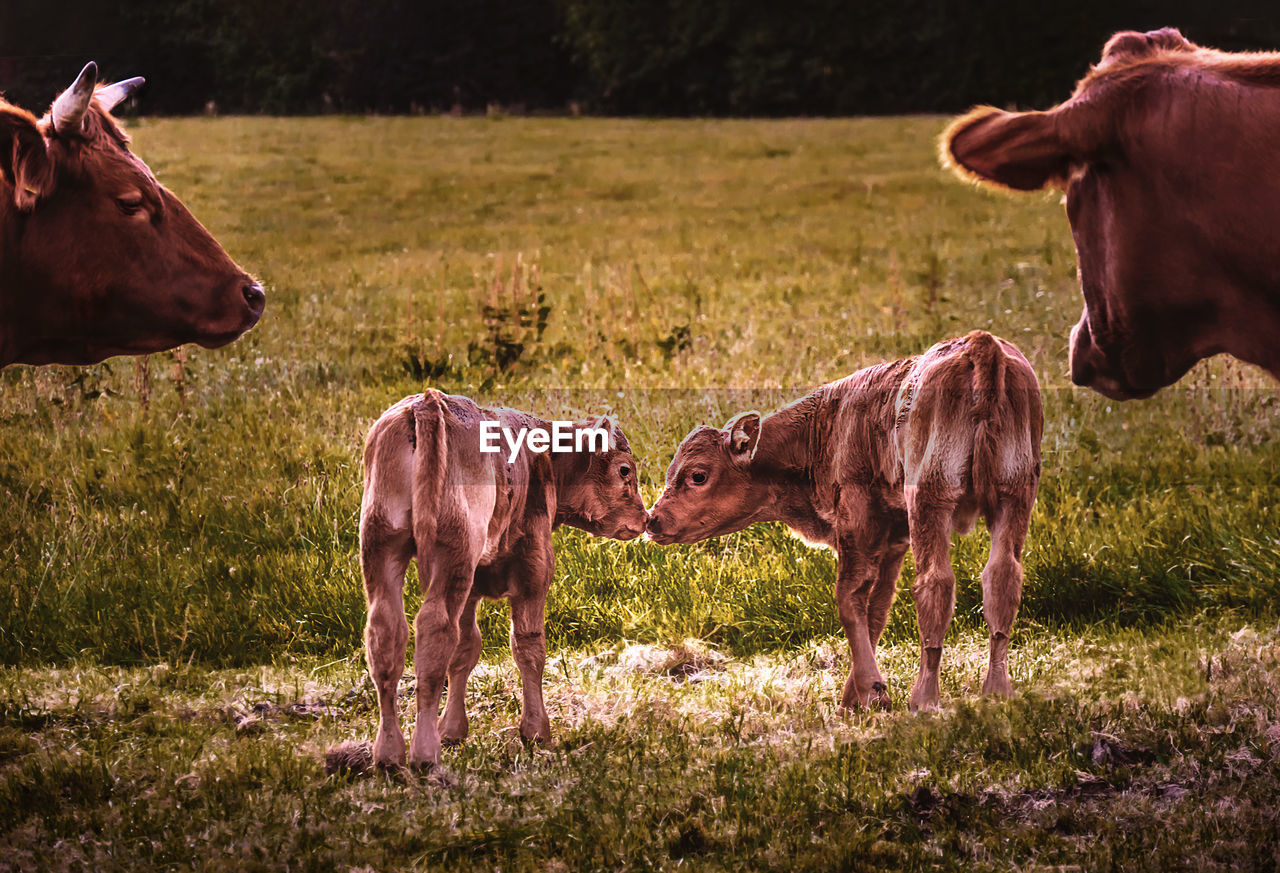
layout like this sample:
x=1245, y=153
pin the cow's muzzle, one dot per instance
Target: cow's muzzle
x=255, y=298
x=1091, y=369
x=242, y=306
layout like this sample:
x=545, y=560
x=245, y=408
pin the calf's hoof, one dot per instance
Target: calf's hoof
x=537, y=732
x=453, y=729
x=388, y=754
x=540, y=739
x=424, y=756
x=925, y=700
x=453, y=735
x=879, y=698
x=997, y=687
x=437, y=775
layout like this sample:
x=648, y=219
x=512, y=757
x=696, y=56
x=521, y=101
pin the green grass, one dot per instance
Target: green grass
x=1157, y=750
x=199, y=512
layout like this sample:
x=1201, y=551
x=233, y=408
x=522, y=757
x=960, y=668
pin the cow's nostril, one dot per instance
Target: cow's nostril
x=653, y=524
x=255, y=297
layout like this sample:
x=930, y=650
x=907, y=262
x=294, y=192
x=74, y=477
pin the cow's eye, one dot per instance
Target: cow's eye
x=129, y=205
x=698, y=478
x=624, y=471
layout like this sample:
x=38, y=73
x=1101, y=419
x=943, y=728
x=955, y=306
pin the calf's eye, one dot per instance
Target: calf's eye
x=698, y=478
x=129, y=205
x=624, y=471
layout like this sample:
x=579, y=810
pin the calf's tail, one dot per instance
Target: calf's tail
x=430, y=457
x=991, y=410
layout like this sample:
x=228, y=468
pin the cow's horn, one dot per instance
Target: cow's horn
x=112, y=96
x=69, y=109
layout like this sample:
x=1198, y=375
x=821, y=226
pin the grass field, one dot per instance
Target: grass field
x=180, y=603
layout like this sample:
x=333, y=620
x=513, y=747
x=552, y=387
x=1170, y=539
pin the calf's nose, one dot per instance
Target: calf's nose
x=629, y=531
x=254, y=297
x=653, y=524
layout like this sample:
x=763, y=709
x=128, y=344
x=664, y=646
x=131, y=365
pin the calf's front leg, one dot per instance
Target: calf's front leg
x=885, y=590
x=856, y=576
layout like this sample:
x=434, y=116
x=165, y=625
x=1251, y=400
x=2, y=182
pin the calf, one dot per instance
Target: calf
x=896, y=454
x=479, y=525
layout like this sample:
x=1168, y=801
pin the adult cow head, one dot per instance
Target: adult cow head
x=1170, y=161
x=97, y=258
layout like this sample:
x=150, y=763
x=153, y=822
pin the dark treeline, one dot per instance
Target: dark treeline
x=656, y=57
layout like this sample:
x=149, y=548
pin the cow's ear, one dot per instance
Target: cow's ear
x=24, y=160
x=1128, y=45
x=1019, y=150
x=743, y=435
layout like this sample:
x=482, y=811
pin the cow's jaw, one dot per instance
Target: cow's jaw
x=1090, y=368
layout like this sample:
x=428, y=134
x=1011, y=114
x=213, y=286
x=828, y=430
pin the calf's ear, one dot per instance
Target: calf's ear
x=24, y=160
x=743, y=435
x=609, y=426
x=1022, y=151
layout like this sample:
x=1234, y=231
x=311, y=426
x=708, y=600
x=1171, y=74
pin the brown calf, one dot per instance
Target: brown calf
x=896, y=454
x=480, y=526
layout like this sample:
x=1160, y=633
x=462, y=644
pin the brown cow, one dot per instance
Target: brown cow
x=896, y=454
x=480, y=526
x=97, y=258
x=1167, y=154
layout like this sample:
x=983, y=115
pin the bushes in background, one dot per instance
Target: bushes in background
x=648, y=57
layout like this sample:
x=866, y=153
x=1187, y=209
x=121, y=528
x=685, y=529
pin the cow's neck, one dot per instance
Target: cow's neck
x=34, y=317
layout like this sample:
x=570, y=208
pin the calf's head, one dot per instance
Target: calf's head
x=97, y=258
x=1166, y=162
x=710, y=489
x=598, y=490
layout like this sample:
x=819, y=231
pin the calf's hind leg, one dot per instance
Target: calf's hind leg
x=454, y=725
x=1002, y=588
x=436, y=637
x=383, y=561
x=934, y=592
